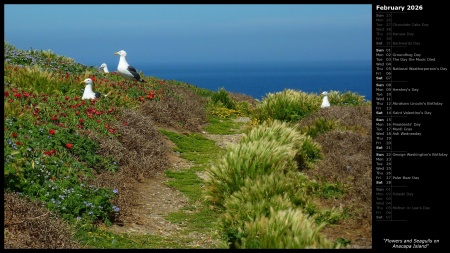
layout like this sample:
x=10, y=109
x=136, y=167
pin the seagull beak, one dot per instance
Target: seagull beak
x=116, y=53
x=81, y=82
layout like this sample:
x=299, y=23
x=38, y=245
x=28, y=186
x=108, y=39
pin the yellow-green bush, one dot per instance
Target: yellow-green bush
x=307, y=150
x=274, y=130
x=346, y=98
x=287, y=105
x=284, y=229
x=246, y=160
x=319, y=126
x=256, y=197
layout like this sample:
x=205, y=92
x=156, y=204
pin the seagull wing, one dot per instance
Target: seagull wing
x=134, y=72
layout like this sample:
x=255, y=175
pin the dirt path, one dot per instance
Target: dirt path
x=156, y=200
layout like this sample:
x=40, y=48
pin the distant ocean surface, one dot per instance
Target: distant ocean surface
x=258, y=79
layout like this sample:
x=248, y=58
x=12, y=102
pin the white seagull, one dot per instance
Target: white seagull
x=126, y=70
x=88, y=93
x=325, y=102
x=104, y=67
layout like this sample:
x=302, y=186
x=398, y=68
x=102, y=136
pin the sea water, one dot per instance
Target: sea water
x=259, y=79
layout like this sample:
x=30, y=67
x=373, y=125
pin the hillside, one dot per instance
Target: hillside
x=140, y=159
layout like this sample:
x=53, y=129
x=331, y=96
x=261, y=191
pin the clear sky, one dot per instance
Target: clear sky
x=168, y=33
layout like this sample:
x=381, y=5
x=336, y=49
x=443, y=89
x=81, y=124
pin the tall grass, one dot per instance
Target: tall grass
x=287, y=105
x=256, y=198
x=284, y=229
x=307, y=151
x=246, y=160
x=337, y=98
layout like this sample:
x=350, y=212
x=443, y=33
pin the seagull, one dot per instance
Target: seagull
x=126, y=70
x=104, y=67
x=88, y=93
x=325, y=102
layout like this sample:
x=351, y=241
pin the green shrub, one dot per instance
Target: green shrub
x=309, y=153
x=222, y=96
x=320, y=125
x=244, y=107
x=337, y=98
x=287, y=105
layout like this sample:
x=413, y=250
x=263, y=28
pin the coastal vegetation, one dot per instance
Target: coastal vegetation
x=294, y=176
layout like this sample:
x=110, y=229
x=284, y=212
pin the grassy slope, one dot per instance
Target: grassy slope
x=202, y=151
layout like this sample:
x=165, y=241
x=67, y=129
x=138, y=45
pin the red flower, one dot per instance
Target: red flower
x=111, y=130
x=50, y=153
x=81, y=121
x=6, y=94
x=151, y=94
x=17, y=95
x=14, y=135
x=69, y=145
x=51, y=131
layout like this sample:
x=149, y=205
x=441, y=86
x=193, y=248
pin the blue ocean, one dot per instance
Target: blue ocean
x=258, y=79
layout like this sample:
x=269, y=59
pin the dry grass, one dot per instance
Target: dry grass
x=29, y=225
x=182, y=110
x=348, y=160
